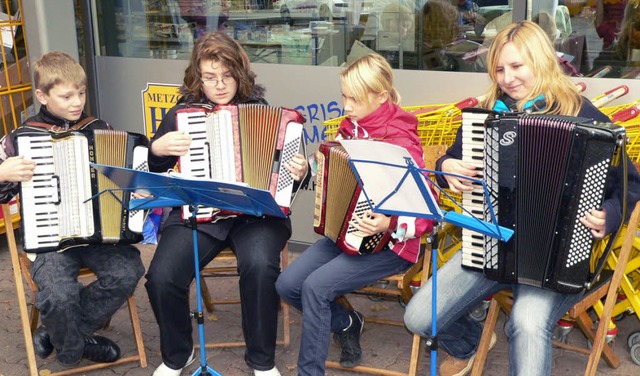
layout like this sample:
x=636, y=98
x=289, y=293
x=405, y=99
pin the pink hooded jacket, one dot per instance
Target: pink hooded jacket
x=390, y=123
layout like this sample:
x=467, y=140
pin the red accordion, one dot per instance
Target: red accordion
x=338, y=199
x=246, y=143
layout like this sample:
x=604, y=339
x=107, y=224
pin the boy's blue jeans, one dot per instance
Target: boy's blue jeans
x=312, y=282
x=533, y=317
x=68, y=309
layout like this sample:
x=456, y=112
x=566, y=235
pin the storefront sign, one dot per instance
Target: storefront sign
x=157, y=99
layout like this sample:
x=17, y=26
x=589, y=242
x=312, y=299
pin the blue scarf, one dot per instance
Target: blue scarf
x=536, y=103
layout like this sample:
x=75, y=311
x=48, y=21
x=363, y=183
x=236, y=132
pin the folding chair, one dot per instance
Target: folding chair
x=21, y=265
x=225, y=266
x=607, y=287
x=398, y=287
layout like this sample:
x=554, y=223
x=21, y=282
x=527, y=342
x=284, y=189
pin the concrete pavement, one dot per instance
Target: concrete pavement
x=383, y=346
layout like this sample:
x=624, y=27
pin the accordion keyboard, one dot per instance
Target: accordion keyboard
x=473, y=201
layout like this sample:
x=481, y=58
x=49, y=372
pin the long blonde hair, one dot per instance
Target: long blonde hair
x=560, y=93
x=370, y=74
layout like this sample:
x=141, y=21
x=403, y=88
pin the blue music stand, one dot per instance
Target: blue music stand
x=169, y=191
x=400, y=187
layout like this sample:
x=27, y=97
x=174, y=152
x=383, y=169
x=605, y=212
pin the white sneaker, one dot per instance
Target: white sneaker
x=164, y=370
x=272, y=372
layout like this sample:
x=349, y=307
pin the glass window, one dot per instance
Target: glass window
x=593, y=37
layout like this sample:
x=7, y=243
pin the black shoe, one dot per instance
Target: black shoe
x=349, y=340
x=100, y=349
x=42, y=343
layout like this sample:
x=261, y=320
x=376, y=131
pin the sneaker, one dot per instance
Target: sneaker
x=451, y=366
x=349, y=340
x=272, y=372
x=42, y=342
x=100, y=349
x=164, y=370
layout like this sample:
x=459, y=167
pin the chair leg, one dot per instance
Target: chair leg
x=35, y=316
x=415, y=355
x=22, y=300
x=206, y=295
x=586, y=325
x=137, y=331
x=286, y=330
x=485, y=340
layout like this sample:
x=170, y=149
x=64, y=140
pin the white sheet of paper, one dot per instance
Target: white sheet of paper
x=8, y=31
x=380, y=180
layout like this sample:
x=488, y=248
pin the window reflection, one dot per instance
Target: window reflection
x=593, y=37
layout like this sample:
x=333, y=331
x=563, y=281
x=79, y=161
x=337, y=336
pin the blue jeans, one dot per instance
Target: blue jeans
x=68, y=309
x=534, y=314
x=257, y=245
x=312, y=282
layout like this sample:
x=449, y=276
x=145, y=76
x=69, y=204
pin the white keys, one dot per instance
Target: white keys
x=473, y=201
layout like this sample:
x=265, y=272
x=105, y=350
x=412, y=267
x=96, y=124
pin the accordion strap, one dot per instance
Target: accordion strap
x=58, y=129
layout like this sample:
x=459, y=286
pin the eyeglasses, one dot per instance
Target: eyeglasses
x=226, y=80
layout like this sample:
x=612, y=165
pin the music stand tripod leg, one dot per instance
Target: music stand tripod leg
x=204, y=368
x=432, y=342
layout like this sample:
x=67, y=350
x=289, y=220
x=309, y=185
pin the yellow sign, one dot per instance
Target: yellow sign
x=157, y=99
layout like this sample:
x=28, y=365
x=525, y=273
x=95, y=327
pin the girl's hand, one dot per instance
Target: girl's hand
x=17, y=169
x=370, y=223
x=297, y=166
x=176, y=143
x=457, y=166
x=595, y=220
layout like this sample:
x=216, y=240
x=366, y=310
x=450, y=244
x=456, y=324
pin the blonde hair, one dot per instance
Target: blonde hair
x=370, y=74
x=55, y=68
x=560, y=93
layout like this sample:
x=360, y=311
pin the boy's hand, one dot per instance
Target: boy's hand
x=457, y=166
x=17, y=169
x=174, y=143
x=595, y=220
x=370, y=223
x=297, y=166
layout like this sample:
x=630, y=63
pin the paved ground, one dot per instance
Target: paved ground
x=384, y=346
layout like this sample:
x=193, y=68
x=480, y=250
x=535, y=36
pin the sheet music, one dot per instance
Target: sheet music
x=182, y=191
x=381, y=176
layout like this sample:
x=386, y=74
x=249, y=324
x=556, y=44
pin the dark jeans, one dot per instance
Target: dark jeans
x=312, y=282
x=68, y=309
x=257, y=246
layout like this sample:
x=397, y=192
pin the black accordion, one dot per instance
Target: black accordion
x=68, y=202
x=543, y=173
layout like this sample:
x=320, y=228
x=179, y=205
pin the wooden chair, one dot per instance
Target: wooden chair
x=21, y=265
x=398, y=287
x=607, y=287
x=225, y=266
